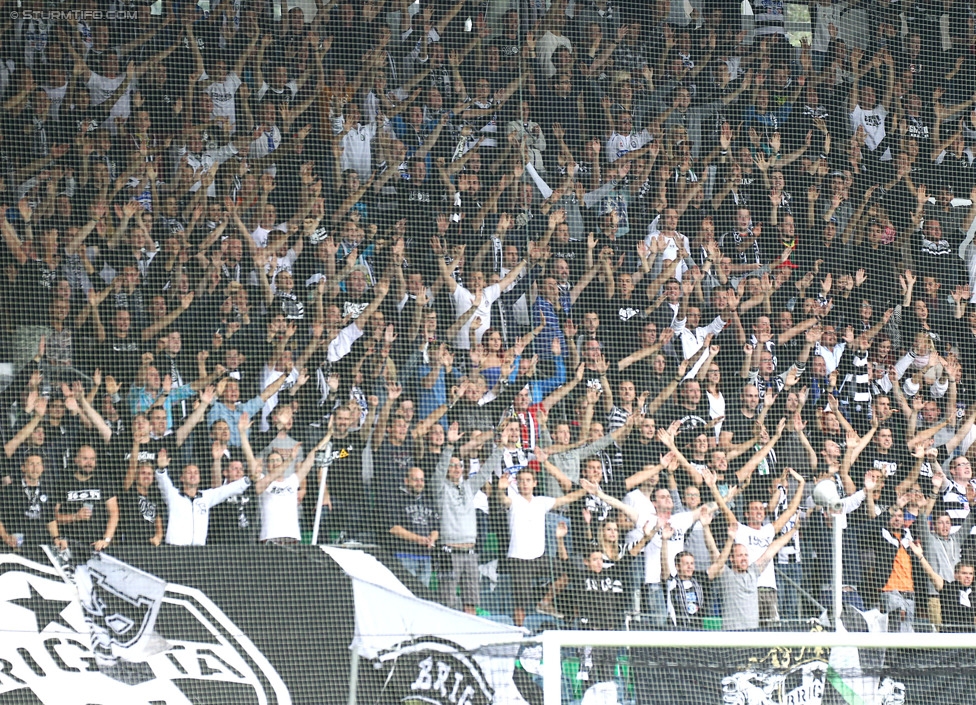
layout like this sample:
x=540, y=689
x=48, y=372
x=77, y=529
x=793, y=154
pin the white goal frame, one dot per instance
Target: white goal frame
x=554, y=640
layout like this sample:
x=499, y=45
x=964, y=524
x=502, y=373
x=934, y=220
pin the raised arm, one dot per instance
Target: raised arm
x=775, y=547
x=711, y=481
x=744, y=474
x=11, y=446
x=558, y=475
x=794, y=505
x=719, y=560
x=938, y=582
x=184, y=431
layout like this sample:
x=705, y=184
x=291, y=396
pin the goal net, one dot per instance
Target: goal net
x=757, y=668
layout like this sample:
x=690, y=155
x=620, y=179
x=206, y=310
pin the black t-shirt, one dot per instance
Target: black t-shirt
x=740, y=426
x=73, y=494
x=621, y=316
x=121, y=449
x=574, y=252
x=413, y=513
x=38, y=287
x=120, y=357
x=391, y=464
x=236, y=520
x=691, y=419
x=599, y=599
x=345, y=479
x=23, y=510
x=894, y=465
x=957, y=616
x=600, y=512
x=137, y=515
x=637, y=454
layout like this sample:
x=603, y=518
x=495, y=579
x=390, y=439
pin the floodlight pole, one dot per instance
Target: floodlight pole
x=838, y=521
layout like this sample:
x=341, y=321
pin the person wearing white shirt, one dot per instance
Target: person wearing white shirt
x=757, y=536
x=691, y=335
x=103, y=86
x=619, y=144
x=664, y=229
x=280, y=496
x=223, y=84
x=549, y=42
x=479, y=297
x=829, y=349
x=189, y=506
x=647, y=539
x=357, y=141
x=527, y=528
x=870, y=114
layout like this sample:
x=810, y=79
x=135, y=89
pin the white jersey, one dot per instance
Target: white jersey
x=189, y=519
x=101, y=89
x=279, y=510
x=618, y=145
x=222, y=95
x=756, y=542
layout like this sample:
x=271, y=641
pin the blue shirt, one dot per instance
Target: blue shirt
x=221, y=412
x=140, y=400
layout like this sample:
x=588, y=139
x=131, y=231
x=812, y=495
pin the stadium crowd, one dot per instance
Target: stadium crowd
x=609, y=285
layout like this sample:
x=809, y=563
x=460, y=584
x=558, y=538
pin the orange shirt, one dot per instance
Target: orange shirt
x=901, y=573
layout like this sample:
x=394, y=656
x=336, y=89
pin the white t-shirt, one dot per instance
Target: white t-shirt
x=279, y=510
x=873, y=122
x=645, y=512
x=264, y=145
x=464, y=300
x=222, y=94
x=56, y=96
x=527, y=525
x=618, y=145
x=681, y=523
x=357, y=149
x=756, y=542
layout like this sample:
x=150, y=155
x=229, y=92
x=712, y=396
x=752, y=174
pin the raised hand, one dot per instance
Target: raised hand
x=590, y=487
x=244, y=423
x=453, y=433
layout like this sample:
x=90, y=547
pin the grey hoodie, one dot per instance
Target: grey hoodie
x=459, y=524
x=569, y=462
